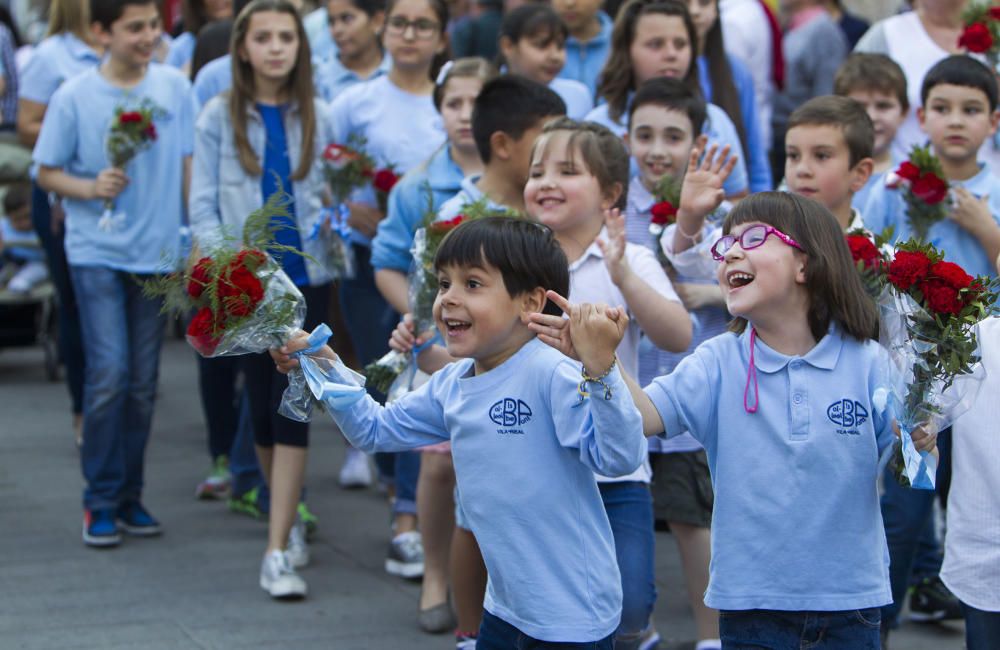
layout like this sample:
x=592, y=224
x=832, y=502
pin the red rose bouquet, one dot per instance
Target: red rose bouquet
x=981, y=34
x=867, y=253
x=925, y=190
x=667, y=194
x=131, y=132
x=347, y=167
x=930, y=313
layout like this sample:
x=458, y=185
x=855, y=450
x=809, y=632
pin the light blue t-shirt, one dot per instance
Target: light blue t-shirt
x=55, y=60
x=525, y=452
x=73, y=138
x=332, y=78
x=468, y=194
x=584, y=61
x=213, y=78
x=718, y=127
x=577, y=97
x=886, y=207
x=796, y=524
x=181, y=50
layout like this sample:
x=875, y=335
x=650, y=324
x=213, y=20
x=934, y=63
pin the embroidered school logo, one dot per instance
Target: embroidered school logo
x=848, y=414
x=510, y=413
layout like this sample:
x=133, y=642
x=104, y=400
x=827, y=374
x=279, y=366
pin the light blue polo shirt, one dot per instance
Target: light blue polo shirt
x=332, y=78
x=213, y=78
x=56, y=59
x=181, y=50
x=886, y=207
x=575, y=95
x=72, y=138
x=796, y=524
x=584, y=61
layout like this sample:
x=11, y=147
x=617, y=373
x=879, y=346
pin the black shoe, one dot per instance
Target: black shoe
x=931, y=601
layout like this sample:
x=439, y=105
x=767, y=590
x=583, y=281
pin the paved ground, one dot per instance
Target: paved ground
x=196, y=587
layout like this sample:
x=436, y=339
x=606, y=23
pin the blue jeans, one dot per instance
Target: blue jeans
x=122, y=332
x=402, y=469
x=629, y=506
x=761, y=629
x=497, y=634
x=908, y=516
x=982, y=629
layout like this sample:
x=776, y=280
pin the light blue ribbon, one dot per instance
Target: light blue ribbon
x=920, y=466
x=337, y=218
x=319, y=379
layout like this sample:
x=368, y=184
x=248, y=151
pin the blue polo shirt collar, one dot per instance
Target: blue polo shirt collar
x=823, y=356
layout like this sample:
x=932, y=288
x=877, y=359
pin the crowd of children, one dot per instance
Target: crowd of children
x=570, y=325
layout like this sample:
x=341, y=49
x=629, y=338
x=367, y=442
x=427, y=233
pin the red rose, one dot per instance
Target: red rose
x=384, y=179
x=862, y=249
x=952, y=274
x=976, y=38
x=909, y=171
x=994, y=13
x=940, y=297
x=663, y=213
x=447, y=224
x=240, y=292
x=339, y=154
x=199, y=277
x=929, y=188
x=203, y=333
x=130, y=118
x=907, y=268
x=251, y=258
x=150, y=131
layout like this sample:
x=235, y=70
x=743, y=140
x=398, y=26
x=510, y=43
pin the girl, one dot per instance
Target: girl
x=725, y=81
x=355, y=26
x=68, y=48
x=196, y=14
x=579, y=172
x=658, y=39
x=533, y=45
x=261, y=137
x=789, y=414
x=440, y=176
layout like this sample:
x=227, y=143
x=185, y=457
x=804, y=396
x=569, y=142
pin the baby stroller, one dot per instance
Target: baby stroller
x=28, y=319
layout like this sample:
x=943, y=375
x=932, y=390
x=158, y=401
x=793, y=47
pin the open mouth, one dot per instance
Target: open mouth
x=739, y=279
x=456, y=326
x=550, y=201
x=658, y=168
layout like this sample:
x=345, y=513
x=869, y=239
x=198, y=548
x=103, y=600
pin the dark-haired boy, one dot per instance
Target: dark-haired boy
x=122, y=330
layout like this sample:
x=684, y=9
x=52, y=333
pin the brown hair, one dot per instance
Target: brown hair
x=832, y=280
x=70, y=16
x=299, y=87
x=842, y=112
x=470, y=67
x=872, y=73
x=603, y=153
x=617, y=79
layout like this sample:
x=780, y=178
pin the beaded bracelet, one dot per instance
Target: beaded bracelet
x=581, y=388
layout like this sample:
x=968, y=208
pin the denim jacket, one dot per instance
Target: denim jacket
x=223, y=194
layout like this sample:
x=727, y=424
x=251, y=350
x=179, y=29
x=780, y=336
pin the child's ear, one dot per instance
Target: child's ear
x=611, y=197
x=801, y=261
x=500, y=144
x=994, y=118
x=506, y=45
x=532, y=302
x=860, y=174
x=101, y=35
x=921, y=116
x=378, y=22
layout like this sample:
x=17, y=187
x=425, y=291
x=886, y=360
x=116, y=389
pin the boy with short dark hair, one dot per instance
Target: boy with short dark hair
x=877, y=83
x=959, y=112
x=122, y=330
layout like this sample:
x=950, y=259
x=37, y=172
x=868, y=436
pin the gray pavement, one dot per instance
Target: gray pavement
x=196, y=587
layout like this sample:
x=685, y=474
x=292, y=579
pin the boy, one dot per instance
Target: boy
x=959, y=112
x=828, y=154
x=122, y=330
x=589, y=40
x=22, y=261
x=877, y=83
x=524, y=444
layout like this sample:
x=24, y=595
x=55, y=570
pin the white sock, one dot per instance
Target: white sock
x=709, y=644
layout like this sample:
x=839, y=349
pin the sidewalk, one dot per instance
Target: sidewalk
x=196, y=587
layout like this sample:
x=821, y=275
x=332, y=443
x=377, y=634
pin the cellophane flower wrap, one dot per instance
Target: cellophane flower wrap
x=925, y=190
x=393, y=374
x=132, y=131
x=346, y=168
x=930, y=314
x=981, y=31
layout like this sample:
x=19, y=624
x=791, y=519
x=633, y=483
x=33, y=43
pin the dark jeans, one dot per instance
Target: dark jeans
x=497, y=634
x=982, y=629
x=123, y=332
x=630, y=511
x=761, y=629
x=70, y=338
x=403, y=470
x=908, y=516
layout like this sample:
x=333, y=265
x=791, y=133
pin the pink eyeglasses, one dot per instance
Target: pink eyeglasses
x=752, y=237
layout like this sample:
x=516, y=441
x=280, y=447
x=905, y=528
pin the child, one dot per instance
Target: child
x=589, y=40
x=265, y=136
x=877, y=83
x=763, y=401
x=578, y=175
x=958, y=113
x=22, y=261
x=122, y=330
x=355, y=26
x=196, y=14
x=658, y=39
x=828, y=154
x=533, y=45
x=525, y=447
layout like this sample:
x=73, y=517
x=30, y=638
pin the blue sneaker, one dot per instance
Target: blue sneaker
x=99, y=528
x=136, y=520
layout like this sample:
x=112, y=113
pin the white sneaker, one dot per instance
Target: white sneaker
x=297, y=550
x=278, y=578
x=406, y=555
x=355, y=472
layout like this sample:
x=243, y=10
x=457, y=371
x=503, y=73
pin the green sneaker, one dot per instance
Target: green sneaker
x=247, y=503
x=309, y=519
x=216, y=486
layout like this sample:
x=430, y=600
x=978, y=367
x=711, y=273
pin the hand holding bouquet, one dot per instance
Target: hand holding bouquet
x=131, y=132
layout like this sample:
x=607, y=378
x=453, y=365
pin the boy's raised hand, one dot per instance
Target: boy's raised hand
x=591, y=334
x=614, y=248
x=701, y=191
